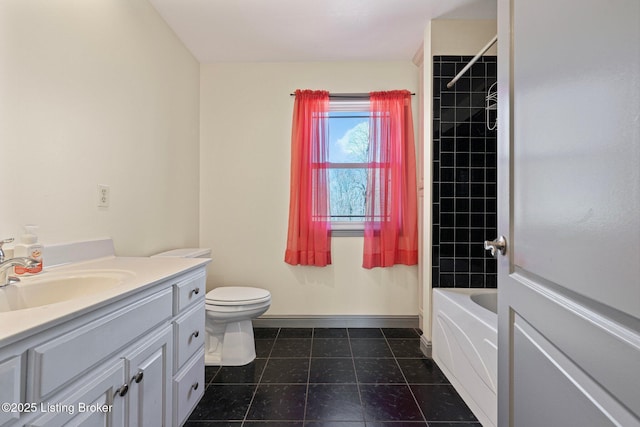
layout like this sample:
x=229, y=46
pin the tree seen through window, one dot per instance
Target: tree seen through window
x=348, y=153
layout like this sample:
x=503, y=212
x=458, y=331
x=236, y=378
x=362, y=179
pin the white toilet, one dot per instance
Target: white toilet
x=229, y=340
x=229, y=332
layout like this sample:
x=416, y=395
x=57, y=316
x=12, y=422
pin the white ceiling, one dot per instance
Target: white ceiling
x=310, y=30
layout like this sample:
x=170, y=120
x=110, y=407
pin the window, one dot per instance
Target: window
x=348, y=156
x=375, y=193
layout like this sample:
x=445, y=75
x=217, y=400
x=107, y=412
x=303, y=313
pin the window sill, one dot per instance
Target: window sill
x=347, y=229
x=347, y=233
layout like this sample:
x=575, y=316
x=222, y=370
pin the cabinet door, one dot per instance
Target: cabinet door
x=11, y=390
x=150, y=368
x=96, y=401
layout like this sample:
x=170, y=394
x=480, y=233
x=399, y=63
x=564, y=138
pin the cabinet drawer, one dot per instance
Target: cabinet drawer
x=188, y=291
x=60, y=360
x=188, y=388
x=11, y=389
x=188, y=334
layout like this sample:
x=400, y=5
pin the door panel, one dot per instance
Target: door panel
x=576, y=159
x=582, y=401
x=569, y=185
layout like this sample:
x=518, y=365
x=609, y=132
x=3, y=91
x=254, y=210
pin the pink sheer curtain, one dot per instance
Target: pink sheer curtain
x=391, y=213
x=309, y=238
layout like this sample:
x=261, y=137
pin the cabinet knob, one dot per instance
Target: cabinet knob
x=195, y=291
x=122, y=391
x=195, y=334
x=195, y=386
x=138, y=377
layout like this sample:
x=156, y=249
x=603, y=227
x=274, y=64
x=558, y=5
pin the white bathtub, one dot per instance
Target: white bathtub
x=465, y=347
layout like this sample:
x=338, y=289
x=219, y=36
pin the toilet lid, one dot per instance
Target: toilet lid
x=236, y=295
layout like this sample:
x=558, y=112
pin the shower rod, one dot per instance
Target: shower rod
x=473, y=61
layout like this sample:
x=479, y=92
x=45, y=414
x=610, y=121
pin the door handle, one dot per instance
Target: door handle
x=498, y=245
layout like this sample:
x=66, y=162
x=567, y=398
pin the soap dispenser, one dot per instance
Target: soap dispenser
x=28, y=247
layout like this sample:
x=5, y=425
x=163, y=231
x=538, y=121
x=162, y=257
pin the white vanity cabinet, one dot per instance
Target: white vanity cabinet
x=92, y=401
x=149, y=380
x=113, y=366
x=11, y=389
x=188, y=333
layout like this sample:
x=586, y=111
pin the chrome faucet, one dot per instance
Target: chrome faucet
x=5, y=279
x=2, y=242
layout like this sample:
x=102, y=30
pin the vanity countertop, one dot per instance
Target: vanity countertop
x=147, y=272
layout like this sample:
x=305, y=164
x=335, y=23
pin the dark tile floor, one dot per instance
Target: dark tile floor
x=332, y=378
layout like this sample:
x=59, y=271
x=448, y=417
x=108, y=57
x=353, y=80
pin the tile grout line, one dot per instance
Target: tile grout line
x=406, y=382
x=306, y=395
x=255, y=392
x=355, y=373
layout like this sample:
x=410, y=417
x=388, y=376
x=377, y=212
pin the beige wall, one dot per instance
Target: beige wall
x=462, y=37
x=245, y=152
x=97, y=92
x=442, y=37
x=102, y=92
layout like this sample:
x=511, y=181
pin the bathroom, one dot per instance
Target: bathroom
x=129, y=107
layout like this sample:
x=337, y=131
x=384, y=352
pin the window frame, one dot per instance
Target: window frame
x=348, y=228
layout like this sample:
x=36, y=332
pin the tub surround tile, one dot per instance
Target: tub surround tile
x=464, y=199
x=380, y=380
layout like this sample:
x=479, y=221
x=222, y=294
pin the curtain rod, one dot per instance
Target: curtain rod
x=348, y=95
x=473, y=61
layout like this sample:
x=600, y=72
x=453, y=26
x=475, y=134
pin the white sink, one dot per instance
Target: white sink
x=50, y=287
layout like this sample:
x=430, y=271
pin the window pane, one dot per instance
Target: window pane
x=347, y=188
x=348, y=143
x=348, y=137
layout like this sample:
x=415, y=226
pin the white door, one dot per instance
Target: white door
x=569, y=182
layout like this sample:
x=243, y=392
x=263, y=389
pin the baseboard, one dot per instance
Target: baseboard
x=425, y=347
x=336, y=322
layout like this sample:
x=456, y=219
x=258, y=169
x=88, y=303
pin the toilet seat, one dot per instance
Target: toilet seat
x=237, y=295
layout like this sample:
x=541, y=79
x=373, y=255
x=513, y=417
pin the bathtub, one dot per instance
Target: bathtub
x=465, y=347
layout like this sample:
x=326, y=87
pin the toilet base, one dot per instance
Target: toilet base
x=229, y=344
